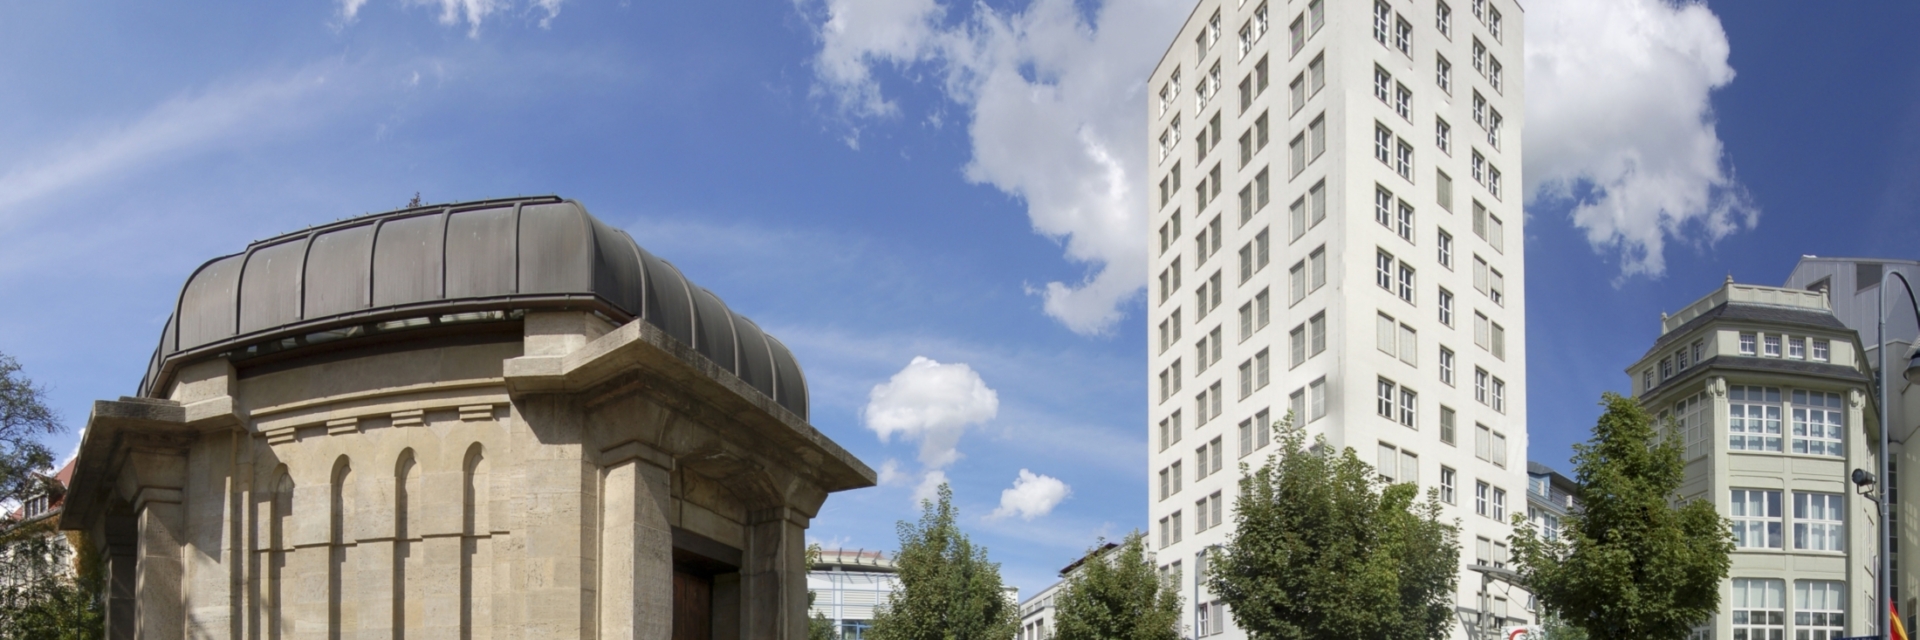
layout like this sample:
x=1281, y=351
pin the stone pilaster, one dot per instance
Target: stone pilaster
x=775, y=575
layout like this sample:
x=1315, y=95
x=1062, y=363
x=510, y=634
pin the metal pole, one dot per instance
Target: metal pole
x=1886, y=531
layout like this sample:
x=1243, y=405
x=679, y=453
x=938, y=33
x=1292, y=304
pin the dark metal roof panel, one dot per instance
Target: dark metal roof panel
x=556, y=249
x=616, y=268
x=270, y=285
x=790, y=387
x=756, y=361
x=407, y=260
x=669, y=306
x=716, y=330
x=339, y=268
x=207, y=304
x=480, y=253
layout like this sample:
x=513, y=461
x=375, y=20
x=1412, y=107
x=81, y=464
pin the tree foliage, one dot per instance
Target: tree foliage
x=24, y=419
x=1633, y=561
x=1323, y=548
x=1118, y=594
x=40, y=594
x=948, y=589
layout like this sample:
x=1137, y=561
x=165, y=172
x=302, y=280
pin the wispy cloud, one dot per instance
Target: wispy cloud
x=472, y=12
x=1619, y=124
x=171, y=130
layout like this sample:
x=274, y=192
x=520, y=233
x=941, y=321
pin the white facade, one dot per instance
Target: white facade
x=1769, y=395
x=1037, y=613
x=1336, y=229
x=847, y=586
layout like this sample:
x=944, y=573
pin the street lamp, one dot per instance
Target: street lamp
x=1886, y=387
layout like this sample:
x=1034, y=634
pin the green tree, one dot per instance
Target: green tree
x=1118, y=594
x=1634, y=561
x=948, y=589
x=40, y=595
x=1323, y=548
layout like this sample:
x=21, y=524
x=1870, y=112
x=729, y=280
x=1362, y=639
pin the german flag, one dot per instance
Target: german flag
x=1898, y=629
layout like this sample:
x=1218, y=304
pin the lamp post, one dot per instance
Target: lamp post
x=1886, y=388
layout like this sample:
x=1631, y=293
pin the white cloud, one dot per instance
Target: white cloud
x=1619, y=123
x=892, y=474
x=933, y=403
x=1056, y=116
x=1032, y=496
x=929, y=488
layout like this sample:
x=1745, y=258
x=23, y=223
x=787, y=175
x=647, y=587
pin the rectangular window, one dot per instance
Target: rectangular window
x=1297, y=345
x=1403, y=101
x=1445, y=249
x=1387, y=461
x=1297, y=155
x=1297, y=282
x=1383, y=206
x=1261, y=310
x=1446, y=307
x=1246, y=321
x=1403, y=36
x=1748, y=340
x=1409, y=345
x=1819, y=609
x=1818, y=423
x=1260, y=132
x=1759, y=609
x=1260, y=68
x=1409, y=408
x=1818, y=521
x=1479, y=168
x=1317, y=265
x=1297, y=93
x=1297, y=35
x=1772, y=343
x=1446, y=366
x=1246, y=437
x=1403, y=160
x=1443, y=138
x=1317, y=201
x=1753, y=418
x=1262, y=370
x=1382, y=144
x=1261, y=193
x=1262, y=424
x=1317, y=73
x=1448, y=482
x=1482, y=331
x=1383, y=401
x=1317, y=399
x=1385, y=330
x=1756, y=519
x=1500, y=504
x=1382, y=20
x=1494, y=123
x=1797, y=348
x=1500, y=400
x=1383, y=270
x=1479, y=57
x=1499, y=341
x=1406, y=283
x=1480, y=491
x=1447, y=419
x=1297, y=406
x=1480, y=383
x=1317, y=137
x=1821, y=349
x=1316, y=16
x=1494, y=73
x=1482, y=442
x=1443, y=74
x=1443, y=18
x=1297, y=219
x=1317, y=334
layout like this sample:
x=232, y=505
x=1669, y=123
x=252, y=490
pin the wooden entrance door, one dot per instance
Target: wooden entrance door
x=692, y=606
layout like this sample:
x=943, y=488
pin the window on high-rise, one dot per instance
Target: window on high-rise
x=1382, y=21
x=1819, y=423
x=1403, y=160
x=1446, y=306
x=1383, y=270
x=1818, y=521
x=1403, y=36
x=1756, y=518
x=1449, y=479
x=1406, y=217
x=1447, y=435
x=1446, y=366
x=1821, y=349
x=1759, y=608
x=1753, y=418
x=1383, y=401
x=1820, y=608
x=1443, y=138
x=1444, y=242
x=1771, y=342
x=1748, y=340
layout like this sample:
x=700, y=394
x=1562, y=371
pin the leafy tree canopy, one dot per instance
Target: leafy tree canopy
x=1323, y=548
x=24, y=419
x=1117, y=594
x=1634, y=561
x=948, y=589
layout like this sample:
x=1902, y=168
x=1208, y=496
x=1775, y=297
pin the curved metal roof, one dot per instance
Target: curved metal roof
x=337, y=280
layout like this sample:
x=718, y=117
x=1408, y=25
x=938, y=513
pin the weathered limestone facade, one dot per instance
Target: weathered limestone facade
x=549, y=471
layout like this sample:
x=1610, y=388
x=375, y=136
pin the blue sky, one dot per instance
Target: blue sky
x=877, y=181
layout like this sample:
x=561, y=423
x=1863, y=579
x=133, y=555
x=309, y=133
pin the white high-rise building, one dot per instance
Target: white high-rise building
x=1337, y=231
